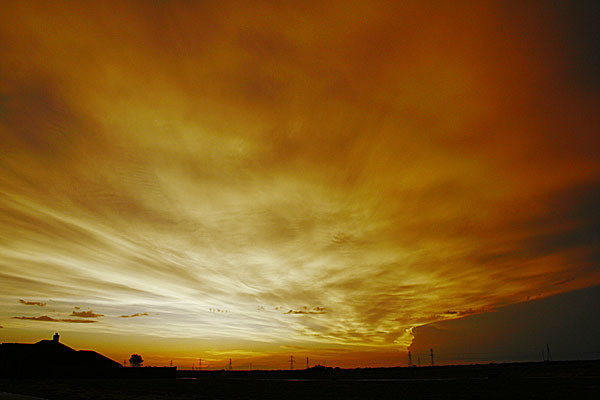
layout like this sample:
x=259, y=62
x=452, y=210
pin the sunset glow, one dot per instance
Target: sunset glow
x=222, y=180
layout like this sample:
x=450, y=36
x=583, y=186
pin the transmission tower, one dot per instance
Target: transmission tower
x=291, y=362
x=409, y=359
x=431, y=355
x=230, y=364
x=306, y=362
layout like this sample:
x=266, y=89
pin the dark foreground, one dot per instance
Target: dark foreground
x=555, y=380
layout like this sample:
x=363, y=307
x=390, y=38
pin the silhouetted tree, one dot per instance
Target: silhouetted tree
x=136, y=360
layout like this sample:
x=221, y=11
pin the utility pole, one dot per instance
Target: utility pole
x=199, y=364
x=549, y=356
x=306, y=362
x=230, y=364
x=419, y=360
x=292, y=362
x=431, y=354
x=171, y=364
x=409, y=359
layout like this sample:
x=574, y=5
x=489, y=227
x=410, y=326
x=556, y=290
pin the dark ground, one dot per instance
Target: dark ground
x=574, y=379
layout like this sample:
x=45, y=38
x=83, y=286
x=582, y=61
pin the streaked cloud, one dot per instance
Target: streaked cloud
x=384, y=161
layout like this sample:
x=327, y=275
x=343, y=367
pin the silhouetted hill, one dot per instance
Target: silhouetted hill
x=50, y=358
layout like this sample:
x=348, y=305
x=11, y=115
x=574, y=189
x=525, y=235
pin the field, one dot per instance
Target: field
x=492, y=381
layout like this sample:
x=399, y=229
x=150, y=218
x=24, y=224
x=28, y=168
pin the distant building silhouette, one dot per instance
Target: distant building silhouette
x=48, y=358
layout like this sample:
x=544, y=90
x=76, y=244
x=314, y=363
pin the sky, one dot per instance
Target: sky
x=343, y=181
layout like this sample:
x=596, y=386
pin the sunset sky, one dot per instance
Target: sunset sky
x=254, y=180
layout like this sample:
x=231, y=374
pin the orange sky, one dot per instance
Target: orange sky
x=318, y=179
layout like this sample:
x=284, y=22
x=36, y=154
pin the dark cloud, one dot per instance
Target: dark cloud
x=50, y=319
x=582, y=39
x=32, y=303
x=135, y=315
x=518, y=332
x=306, y=310
x=41, y=318
x=86, y=314
x=572, y=221
x=566, y=224
x=469, y=311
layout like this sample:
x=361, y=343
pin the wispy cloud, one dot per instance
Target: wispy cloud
x=391, y=179
x=32, y=303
